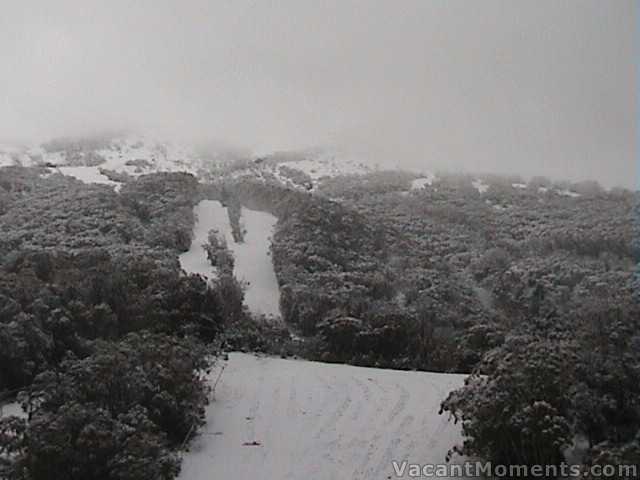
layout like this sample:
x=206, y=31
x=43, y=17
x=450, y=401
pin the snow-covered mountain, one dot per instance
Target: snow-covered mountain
x=102, y=160
x=113, y=159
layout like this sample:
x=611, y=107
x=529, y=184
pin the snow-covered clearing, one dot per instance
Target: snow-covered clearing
x=253, y=263
x=89, y=175
x=276, y=419
x=480, y=186
x=9, y=409
x=209, y=215
x=421, y=182
x=568, y=193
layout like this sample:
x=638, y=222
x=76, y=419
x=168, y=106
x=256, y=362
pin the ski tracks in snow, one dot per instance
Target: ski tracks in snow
x=279, y=419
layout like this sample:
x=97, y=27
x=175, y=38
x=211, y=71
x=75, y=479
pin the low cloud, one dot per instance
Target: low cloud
x=531, y=87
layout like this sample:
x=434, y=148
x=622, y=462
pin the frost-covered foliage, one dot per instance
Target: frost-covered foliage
x=100, y=328
x=218, y=253
x=566, y=376
x=114, y=414
x=60, y=212
x=440, y=264
x=538, y=297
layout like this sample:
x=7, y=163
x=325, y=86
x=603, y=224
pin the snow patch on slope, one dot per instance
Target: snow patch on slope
x=138, y=155
x=568, y=193
x=480, y=186
x=12, y=409
x=422, y=182
x=89, y=175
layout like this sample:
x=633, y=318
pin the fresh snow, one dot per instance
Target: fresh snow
x=329, y=164
x=421, y=182
x=276, y=419
x=209, y=215
x=328, y=168
x=519, y=185
x=89, y=175
x=150, y=156
x=10, y=409
x=480, y=186
x=253, y=263
x=568, y=193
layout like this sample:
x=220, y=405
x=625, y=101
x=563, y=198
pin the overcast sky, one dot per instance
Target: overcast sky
x=527, y=86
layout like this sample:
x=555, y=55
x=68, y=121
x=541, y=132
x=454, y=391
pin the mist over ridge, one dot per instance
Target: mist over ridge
x=533, y=88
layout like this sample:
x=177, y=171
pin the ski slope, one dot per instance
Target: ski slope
x=253, y=264
x=209, y=215
x=276, y=419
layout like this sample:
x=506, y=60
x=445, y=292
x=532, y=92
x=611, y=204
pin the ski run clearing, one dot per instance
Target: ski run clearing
x=253, y=264
x=276, y=419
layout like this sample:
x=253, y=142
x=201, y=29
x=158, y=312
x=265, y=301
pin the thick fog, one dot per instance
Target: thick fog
x=530, y=87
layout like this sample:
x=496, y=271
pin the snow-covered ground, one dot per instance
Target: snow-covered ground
x=568, y=193
x=209, y=215
x=9, y=409
x=276, y=419
x=137, y=155
x=420, y=183
x=330, y=163
x=480, y=186
x=89, y=175
x=253, y=263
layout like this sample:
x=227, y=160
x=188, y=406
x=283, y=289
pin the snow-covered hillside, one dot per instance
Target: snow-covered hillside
x=276, y=419
x=112, y=160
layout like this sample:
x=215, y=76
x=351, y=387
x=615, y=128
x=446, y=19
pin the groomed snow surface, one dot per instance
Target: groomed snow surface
x=275, y=419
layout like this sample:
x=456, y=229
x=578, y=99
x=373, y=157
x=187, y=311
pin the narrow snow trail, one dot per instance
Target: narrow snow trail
x=253, y=263
x=209, y=215
x=276, y=419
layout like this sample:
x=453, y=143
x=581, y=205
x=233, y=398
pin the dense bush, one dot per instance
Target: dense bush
x=54, y=302
x=517, y=412
x=100, y=327
x=149, y=398
x=558, y=380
